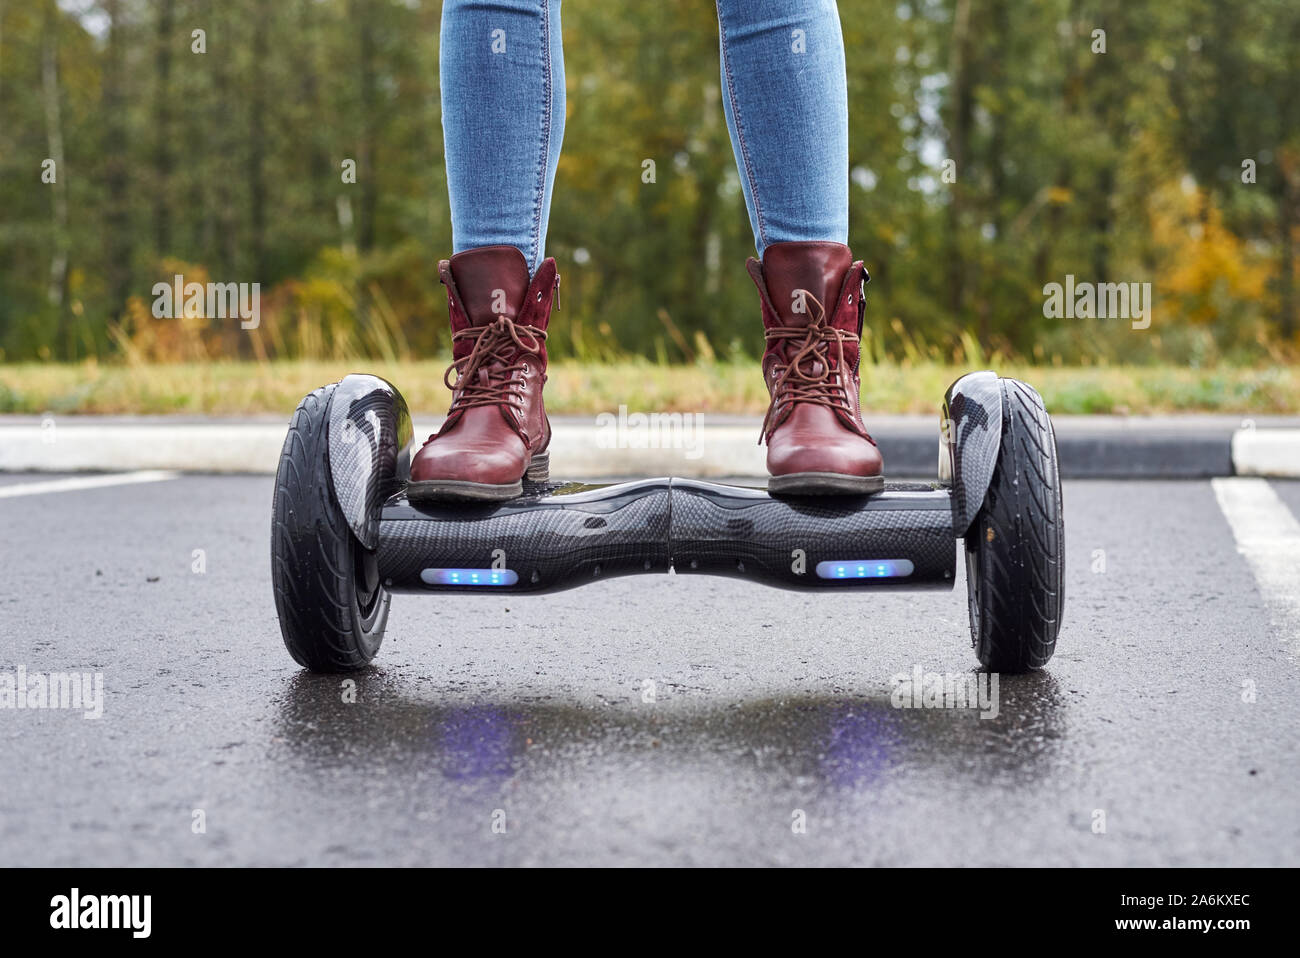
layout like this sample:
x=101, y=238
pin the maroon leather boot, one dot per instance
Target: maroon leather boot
x=496, y=432
x=811, y=297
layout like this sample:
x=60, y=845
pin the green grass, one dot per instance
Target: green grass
x=232, y=389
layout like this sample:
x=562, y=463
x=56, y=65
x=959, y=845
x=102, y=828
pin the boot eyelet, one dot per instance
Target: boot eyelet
x=539, y=295
x=850, y=297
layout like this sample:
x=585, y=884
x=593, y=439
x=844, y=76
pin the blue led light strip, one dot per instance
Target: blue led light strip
x=865, y=569
x=470, y=577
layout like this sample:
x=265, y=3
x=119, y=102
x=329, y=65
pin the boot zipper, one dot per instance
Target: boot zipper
x=557, y=291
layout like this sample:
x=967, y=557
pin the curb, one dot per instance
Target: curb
x=1101, y=447
x=1266, y=452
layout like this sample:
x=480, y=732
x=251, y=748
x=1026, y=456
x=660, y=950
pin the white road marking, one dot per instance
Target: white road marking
x=85, y=482
x=1268, y=536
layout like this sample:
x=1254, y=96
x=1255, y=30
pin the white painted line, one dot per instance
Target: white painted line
x=1266, y=452
x=84, y=482
x=1268, y=536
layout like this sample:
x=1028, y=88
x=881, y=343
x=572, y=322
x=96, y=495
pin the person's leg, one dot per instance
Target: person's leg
x=786, y=101
x=501, y=68
x=502, y=75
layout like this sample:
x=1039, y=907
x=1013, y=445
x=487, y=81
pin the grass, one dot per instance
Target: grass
x=234, y=389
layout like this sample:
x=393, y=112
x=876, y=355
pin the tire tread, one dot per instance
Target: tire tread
x=312, y=554
x=1020, y=542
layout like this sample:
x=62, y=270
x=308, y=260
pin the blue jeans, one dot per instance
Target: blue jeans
x=784, y=95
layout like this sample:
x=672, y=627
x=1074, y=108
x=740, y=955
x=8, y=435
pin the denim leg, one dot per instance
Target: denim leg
x=786, y=99
x=501, y=68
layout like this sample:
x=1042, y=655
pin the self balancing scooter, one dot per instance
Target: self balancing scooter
x=345, y=538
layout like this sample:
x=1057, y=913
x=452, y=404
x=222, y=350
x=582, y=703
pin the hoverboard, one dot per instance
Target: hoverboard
x=345, y=537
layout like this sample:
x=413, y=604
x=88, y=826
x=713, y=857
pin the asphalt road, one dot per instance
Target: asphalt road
x=1171, y=707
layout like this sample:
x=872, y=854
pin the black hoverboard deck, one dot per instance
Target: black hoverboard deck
x=560, y=535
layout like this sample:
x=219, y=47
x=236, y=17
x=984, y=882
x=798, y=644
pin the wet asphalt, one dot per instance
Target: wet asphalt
x=504, y=730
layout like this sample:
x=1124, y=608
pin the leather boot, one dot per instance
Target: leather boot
x=496, y=432
x=811, y=297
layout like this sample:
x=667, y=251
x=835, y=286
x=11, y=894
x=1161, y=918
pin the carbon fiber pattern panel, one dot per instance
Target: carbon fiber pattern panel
x=553, y=537
x=972, y=413
x=370, y=439
x=557, y=536
x=734, y=531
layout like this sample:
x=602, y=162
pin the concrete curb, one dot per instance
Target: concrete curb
x=1266, y=452
x=1090, y=447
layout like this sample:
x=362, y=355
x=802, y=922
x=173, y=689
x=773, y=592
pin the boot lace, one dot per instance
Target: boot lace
x=809, y=377
x=484, y=378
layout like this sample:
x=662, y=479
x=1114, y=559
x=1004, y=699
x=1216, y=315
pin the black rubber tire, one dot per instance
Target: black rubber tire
x=331, y=604
x=1015, y=548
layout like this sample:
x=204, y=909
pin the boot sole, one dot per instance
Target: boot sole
x=824, y=484
x=462, y=490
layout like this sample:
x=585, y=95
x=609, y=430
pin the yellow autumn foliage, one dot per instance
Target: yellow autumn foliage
x=1207, y=275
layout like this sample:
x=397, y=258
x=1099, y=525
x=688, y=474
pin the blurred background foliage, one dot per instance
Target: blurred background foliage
x=1122, y=166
